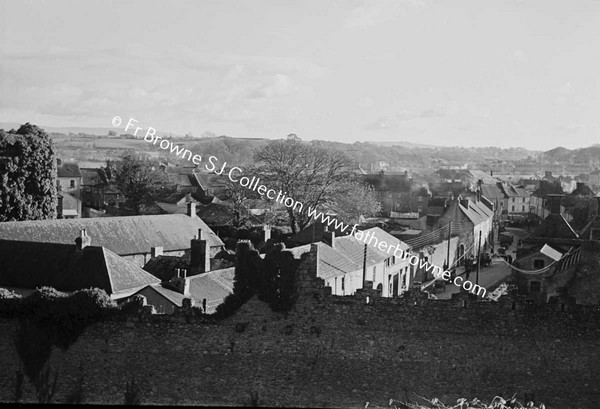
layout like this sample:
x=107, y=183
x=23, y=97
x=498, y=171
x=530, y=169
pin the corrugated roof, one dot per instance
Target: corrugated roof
x=28, y=264
x=122, y=235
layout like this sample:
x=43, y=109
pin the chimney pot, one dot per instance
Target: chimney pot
x=267, y=232
x=82, y=241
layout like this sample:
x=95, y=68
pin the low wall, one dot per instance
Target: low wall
x=335, y=351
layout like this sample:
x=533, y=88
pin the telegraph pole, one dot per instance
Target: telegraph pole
x=478, y=258
x=364, y=278
x=448, y=254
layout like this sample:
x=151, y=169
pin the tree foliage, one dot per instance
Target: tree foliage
x=27, y=175
x=352, y=199
x=139, y=183
x=308, y=173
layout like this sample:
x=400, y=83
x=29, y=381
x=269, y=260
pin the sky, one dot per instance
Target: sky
x=445, y=72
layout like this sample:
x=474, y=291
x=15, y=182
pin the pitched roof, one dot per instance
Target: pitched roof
x=66, y=269
x=314, y=232
x=213, y=286
x=70, y=202
x=123, y=235
x=217, y=214
x=68, y=170
x=492, y=192
x=347, y=255
x=476, y=212
x=92, y=177
x=553, y=227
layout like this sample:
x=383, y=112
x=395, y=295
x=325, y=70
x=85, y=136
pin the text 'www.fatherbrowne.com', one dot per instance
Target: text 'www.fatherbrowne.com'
x=253, y=183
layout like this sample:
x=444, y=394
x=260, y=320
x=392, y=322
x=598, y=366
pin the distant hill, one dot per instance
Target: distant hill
x=405, y=144
x=78, y=129
x=581, y=155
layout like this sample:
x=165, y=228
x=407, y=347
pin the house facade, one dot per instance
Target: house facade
x=346, y=264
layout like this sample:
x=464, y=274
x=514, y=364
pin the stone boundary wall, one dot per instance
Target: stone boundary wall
x=334, y=351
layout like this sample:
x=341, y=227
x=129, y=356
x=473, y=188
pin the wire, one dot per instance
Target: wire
x=542, y=270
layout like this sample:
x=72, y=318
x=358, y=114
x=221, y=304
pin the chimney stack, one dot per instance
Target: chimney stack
x=191, y=209
x=333, y=239
x=267, y=232
x=180, y=284
x=156, y=251
x=554, y=200
x=199, y=254
x=82, y=241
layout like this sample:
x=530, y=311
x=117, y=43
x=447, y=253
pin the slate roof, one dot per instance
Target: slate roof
x=68, y=170
x=213, y=286
x=553, y=227
x=476, y=212
x=70, y=202
x=27, y=264
x=514, y=191
x=92, y=177
x=123, y=235
x=583, y=190
x=492, y=192
x=347, y=255
x=165, y=267
x=217, y=214
x=315, y=232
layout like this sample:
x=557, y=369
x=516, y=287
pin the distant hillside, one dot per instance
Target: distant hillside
x=405, y=144
x=587, y=155
x=100, y=131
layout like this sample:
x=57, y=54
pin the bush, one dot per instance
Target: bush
x=6, y=294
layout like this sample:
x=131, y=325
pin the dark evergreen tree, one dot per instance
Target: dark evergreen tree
x=27, y=175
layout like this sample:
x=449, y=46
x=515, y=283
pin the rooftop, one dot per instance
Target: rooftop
x=125, y=235
x=66, y=269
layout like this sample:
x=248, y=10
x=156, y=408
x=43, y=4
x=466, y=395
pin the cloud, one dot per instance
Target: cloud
x=391, y=122
x=173, y=86
x=374, y=12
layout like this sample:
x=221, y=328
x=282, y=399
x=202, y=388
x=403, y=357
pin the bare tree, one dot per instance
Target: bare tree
x=308, y=173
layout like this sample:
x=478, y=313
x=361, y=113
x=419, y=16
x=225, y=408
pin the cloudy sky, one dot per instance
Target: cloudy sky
x=448, y=72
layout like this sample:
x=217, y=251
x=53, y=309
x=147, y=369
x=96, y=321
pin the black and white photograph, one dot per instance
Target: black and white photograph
x=370, y=204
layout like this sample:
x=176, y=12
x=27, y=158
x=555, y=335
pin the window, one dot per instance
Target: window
x=523, y=208
x=343, y=287
x=72, y=183
x=374, y=272
x=393, y=259
x=335, y=286
x=538, y=263
x=513, y=199
x=513, y=208
x=535, y=286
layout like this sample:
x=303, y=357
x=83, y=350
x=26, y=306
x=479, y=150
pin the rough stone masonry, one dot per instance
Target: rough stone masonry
x=335, y=351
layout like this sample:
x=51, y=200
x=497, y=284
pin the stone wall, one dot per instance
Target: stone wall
x=336, y=351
